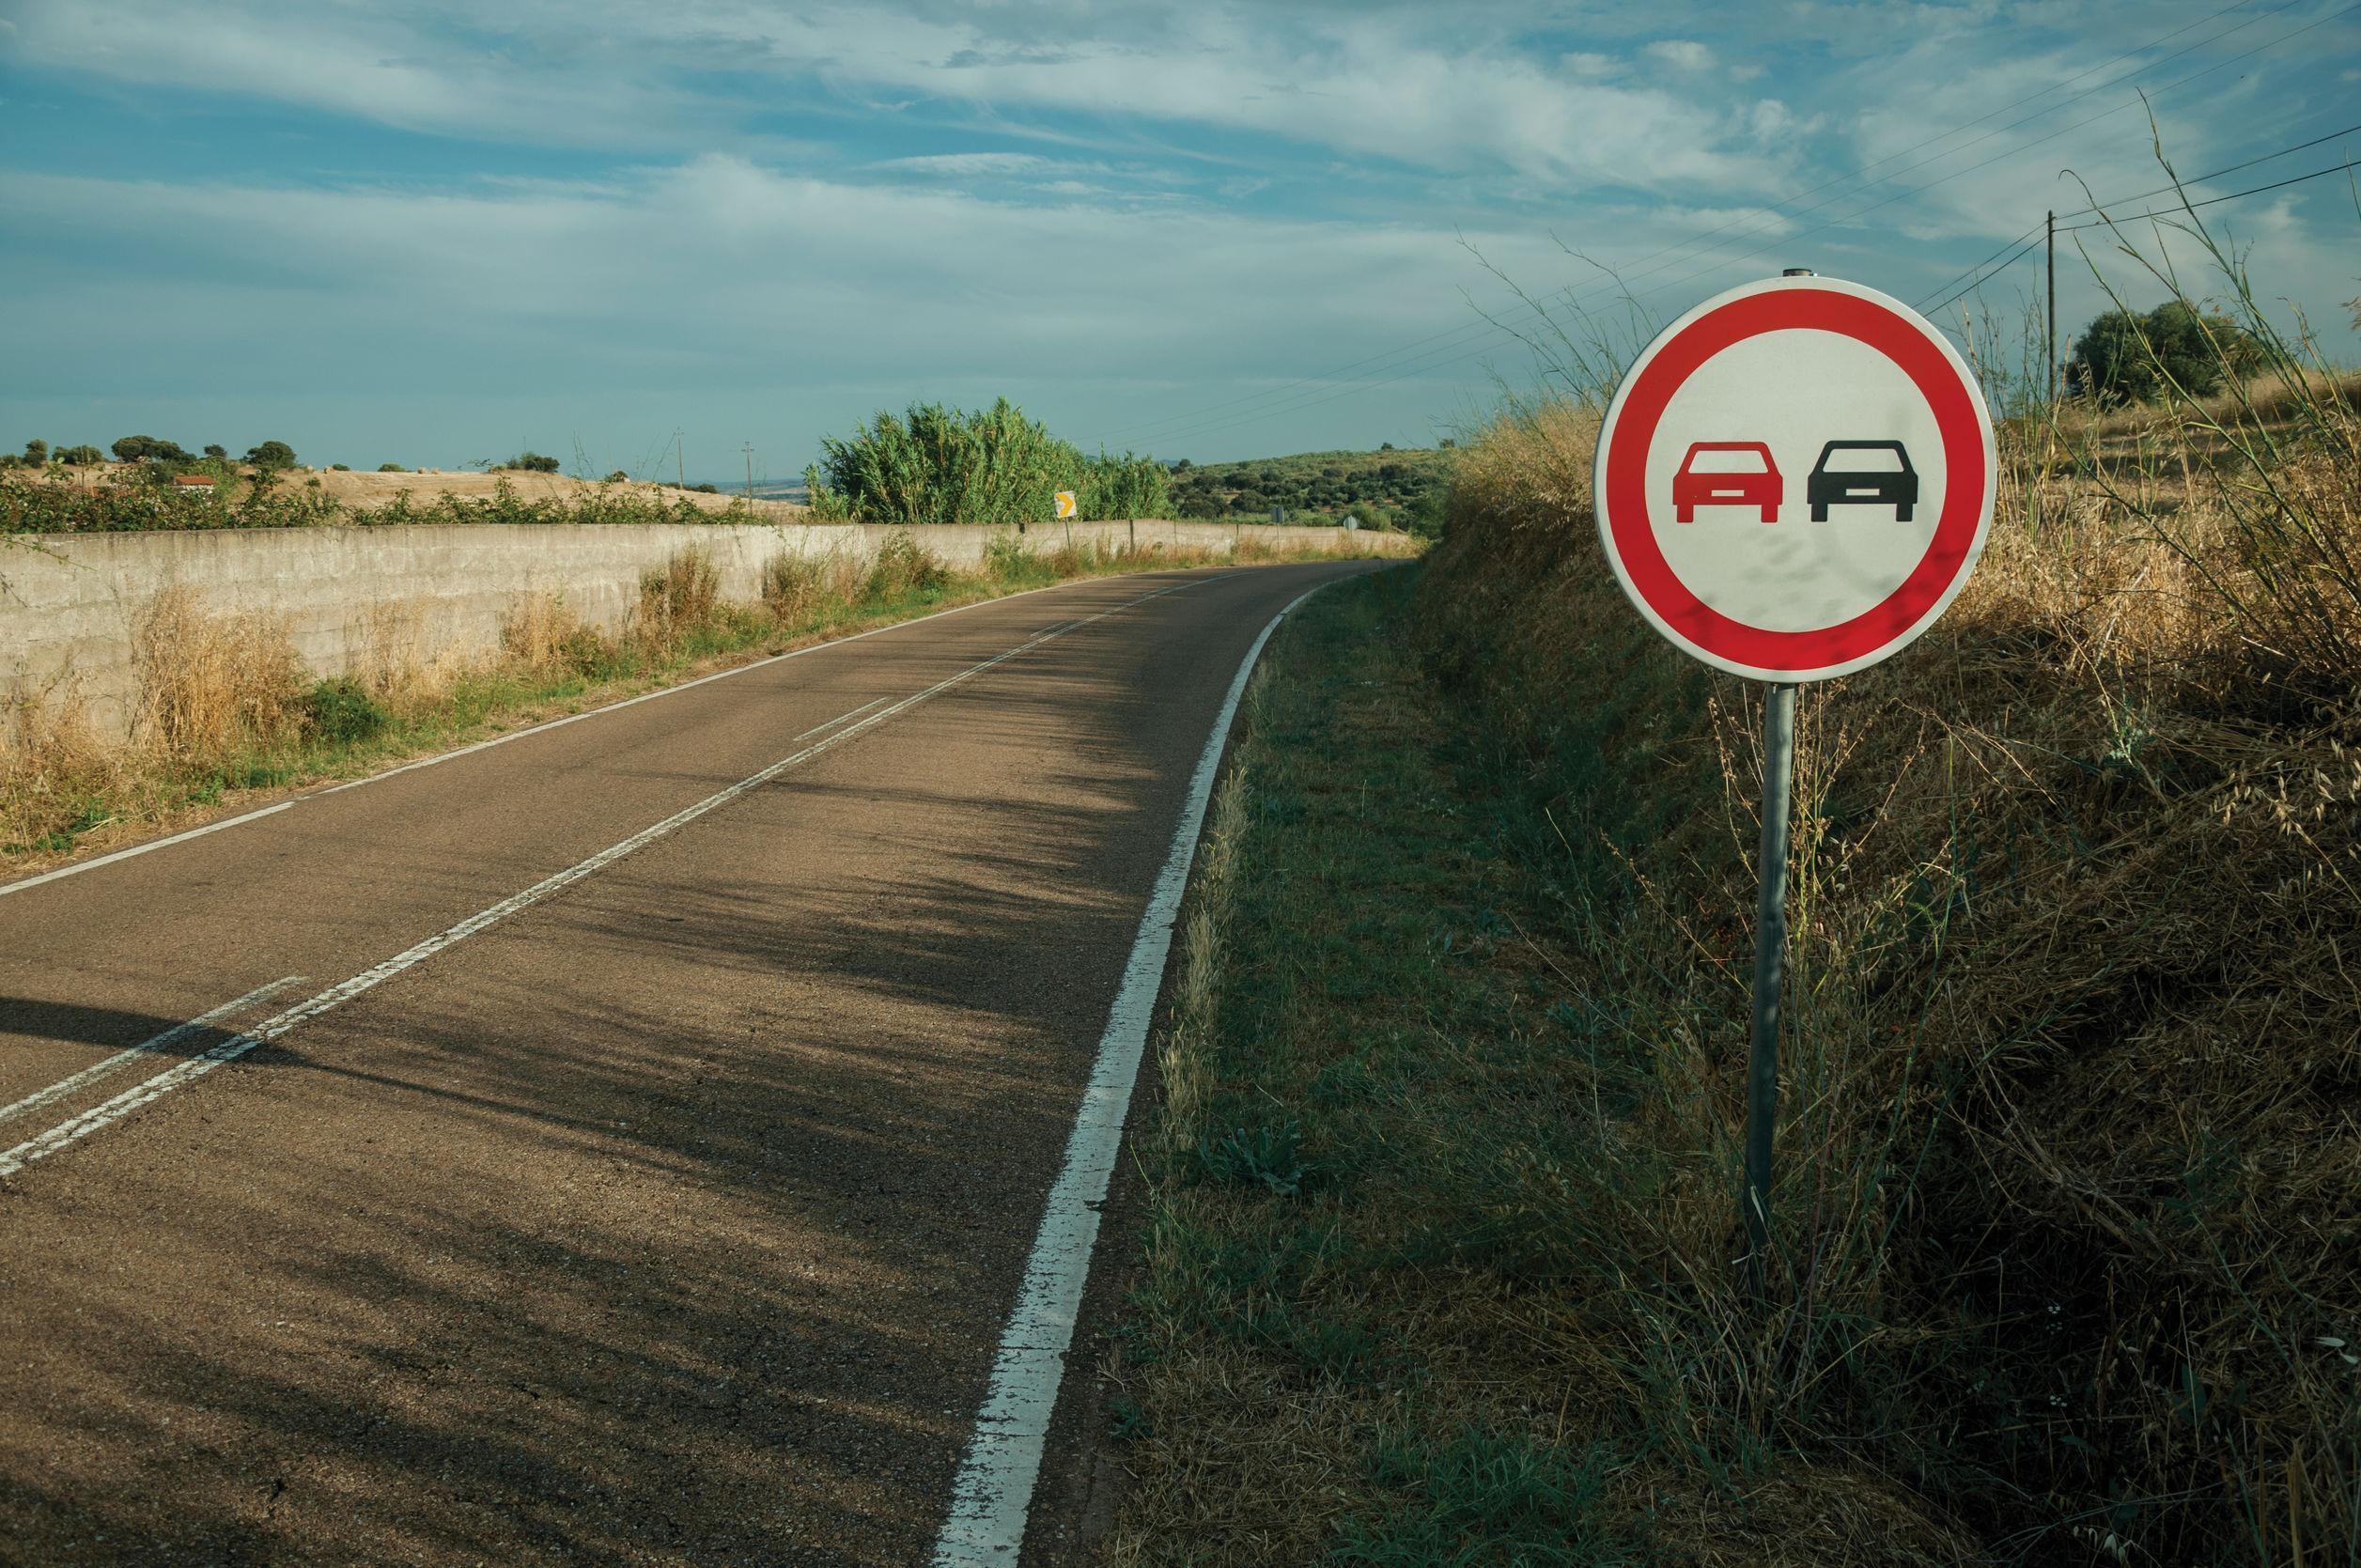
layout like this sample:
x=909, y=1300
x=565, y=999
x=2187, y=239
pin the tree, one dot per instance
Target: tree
x=217, y=451
x=2124, y=357
x=532, y=463
x=35, y=451
x=271, y=455
x=1385, y=447
x=142, y=449
x=391, y=467
x=81, y=456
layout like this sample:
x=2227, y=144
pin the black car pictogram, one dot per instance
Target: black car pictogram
x=1889, y=482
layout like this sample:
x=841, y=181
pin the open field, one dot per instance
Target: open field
x=309, y=495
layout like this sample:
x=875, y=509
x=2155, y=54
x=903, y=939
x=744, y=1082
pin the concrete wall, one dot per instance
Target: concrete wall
x=67, y=601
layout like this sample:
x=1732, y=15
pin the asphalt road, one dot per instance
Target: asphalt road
x=673, y=1214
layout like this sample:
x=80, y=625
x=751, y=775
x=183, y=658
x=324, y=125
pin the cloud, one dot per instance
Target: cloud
x=1680, y=54
x=969, y=166
x=1370, y=83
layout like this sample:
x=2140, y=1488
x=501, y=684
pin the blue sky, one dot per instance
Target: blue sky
x=436, y=233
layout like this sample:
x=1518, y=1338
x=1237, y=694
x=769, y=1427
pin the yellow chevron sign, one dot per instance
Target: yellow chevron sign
x=1065, y=503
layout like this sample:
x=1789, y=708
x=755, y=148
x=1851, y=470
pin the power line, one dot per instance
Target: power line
x=1976, y=277
x=2210, y=201
x=2155, y=212
x=1673, y=253
x=2216, y=174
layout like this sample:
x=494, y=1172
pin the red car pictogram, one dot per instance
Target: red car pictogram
x=1724, y=480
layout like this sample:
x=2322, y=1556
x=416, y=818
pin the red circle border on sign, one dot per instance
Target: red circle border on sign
x=1967, y=461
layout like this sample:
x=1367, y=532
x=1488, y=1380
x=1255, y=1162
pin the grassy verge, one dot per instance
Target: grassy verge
x=1344, y=1346
x=227, y=715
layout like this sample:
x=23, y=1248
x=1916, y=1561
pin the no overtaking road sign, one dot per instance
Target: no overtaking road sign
x=1794, y=479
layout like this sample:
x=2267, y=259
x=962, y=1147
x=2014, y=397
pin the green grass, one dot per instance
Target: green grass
x=1366, y=1059
x=1402, y=488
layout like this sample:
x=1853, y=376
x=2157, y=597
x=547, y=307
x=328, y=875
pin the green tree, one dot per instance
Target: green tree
x=2124, y=357
x=216, y=450
x=532, y=463
x=391, y=467
x=81, y=456
x=272, y=456
x=35, y=451
x=147, y=449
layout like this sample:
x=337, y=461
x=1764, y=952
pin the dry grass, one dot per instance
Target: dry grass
x=210, y=685
x=2071, y=1161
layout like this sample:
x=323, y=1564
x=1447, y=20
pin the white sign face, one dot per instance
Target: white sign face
x=1065, y=503
x=1794, y=479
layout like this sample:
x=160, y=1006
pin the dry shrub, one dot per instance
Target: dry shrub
x=677, y=597
x=797, y=587
x=399, y=665
x=2070, y=1191
x=209, y=685
x=55, y=773
x=904, y=566
x=544, y=635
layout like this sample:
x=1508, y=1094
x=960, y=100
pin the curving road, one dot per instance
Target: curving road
x=623, y=1142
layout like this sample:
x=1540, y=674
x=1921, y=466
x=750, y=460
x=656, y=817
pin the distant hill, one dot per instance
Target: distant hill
x=1404, y=486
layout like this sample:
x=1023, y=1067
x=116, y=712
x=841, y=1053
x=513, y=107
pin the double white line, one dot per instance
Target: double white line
x=842, y=728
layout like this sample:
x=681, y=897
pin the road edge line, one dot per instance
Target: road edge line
x=991, y=1497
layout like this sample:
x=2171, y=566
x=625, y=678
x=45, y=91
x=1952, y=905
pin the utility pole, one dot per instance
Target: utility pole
x=680, y=452
x=2052, y=309
x=750, y=471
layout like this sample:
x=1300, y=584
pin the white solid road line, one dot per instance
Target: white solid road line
x=993, y=1491
x=70, y=1131
x=80, y=866
x=171, y=1039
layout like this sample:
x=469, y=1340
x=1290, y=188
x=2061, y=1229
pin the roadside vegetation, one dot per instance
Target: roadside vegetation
x=1439, y=1256
x=1387, y=487
x=151, y=497
x=226, y=709
x=937, y=464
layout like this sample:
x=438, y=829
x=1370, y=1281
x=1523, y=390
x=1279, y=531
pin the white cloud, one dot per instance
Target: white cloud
x=1680, y=54
x=969, y=166
x=1366, y=82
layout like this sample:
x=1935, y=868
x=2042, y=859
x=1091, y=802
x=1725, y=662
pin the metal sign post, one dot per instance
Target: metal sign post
x=1770, y=944
x=1792, y=482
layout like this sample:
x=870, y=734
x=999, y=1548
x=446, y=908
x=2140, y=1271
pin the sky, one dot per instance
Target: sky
x=436, y=234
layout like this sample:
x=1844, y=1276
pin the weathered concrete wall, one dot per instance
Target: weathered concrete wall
x=68, y=601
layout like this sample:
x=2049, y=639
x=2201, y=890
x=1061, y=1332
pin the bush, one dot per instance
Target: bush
x=937, y=464
x=342, y=713
x=81, y=456
x=391, y=467
x=904, y=566
x=532, y=462
x=35, y=451
x=271, y=455
x=618, y=477
x=340, y=468
x=2124, y=357
x=706, y=490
